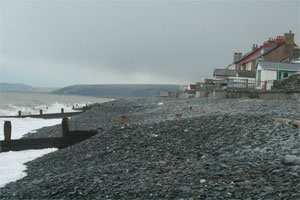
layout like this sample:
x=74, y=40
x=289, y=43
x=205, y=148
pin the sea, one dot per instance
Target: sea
x=12, y=165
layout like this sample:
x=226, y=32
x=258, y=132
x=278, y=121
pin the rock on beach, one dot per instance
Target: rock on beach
x=291, y=160
x=233, y=150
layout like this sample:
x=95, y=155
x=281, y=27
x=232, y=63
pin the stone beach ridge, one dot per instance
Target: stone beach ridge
x=218, y=149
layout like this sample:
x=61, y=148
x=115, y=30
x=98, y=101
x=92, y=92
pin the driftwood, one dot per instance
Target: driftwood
x=283, y=120
x=250, y=100
x=295, y=123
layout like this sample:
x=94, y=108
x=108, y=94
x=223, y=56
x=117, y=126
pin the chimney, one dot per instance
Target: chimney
x=289, y=38
x=237, y=56
x=254, y=47
x=272, y=42
x=279, y=39
x=265, y=44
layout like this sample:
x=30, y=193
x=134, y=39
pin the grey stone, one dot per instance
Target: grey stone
x=130, y=164
x=268, y=189
x=291, y=160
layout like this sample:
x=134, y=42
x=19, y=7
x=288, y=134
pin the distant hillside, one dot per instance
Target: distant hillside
x=116, y=90
x=23, y=88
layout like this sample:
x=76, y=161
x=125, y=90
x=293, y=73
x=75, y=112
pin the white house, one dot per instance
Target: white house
x=266, y=72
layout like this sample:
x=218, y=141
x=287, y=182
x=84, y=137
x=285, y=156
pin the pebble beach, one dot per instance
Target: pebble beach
x=171, y=149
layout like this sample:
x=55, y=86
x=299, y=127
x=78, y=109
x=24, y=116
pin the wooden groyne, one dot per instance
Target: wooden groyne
x=46, y=116
x=68, y=138
x=82, y=108
x=62, y=114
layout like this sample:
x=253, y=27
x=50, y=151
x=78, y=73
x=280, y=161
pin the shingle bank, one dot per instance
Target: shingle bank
x=218, y=149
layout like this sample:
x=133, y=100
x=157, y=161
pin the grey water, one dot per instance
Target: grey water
x=31, y=103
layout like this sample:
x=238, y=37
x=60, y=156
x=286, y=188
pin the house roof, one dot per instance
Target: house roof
x=224, y=72
x=246, y=74
x=279, y=66
x=265, y=51
x=275, y=46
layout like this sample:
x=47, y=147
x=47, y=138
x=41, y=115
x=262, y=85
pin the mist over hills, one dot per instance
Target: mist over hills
x=116, y=90
x=17, y=87
x=101, y=90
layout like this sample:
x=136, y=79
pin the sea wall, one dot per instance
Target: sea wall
x=234, y=93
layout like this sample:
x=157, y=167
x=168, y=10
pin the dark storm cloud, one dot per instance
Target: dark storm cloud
x=58, y=43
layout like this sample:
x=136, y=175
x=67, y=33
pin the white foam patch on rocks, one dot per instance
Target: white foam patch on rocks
x=21, y=126
x=12, y=163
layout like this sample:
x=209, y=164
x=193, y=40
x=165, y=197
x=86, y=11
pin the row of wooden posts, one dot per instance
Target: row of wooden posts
x=61, y=110
x=41, y=112
x=64, y=126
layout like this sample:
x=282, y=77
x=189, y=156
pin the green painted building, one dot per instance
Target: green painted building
x=269, y=71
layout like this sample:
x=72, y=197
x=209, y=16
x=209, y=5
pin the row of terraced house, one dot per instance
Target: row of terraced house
x=275, y=59
x=261, y=68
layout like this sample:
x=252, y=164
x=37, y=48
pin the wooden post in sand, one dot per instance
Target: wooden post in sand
x=19, y=113
x=7, y=130
x=178, y=116
x=65, y=126
x=123, y=119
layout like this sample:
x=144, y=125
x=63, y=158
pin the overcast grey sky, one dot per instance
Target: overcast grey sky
x=59, y=43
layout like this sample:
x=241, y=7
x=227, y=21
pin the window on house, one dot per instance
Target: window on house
x=285, y=75
x=279, y=75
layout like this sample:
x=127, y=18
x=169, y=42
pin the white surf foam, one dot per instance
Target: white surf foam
x=56, y=107
x=12, y=110
x=12, y=163
x=12, y=166
x=21, y=126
